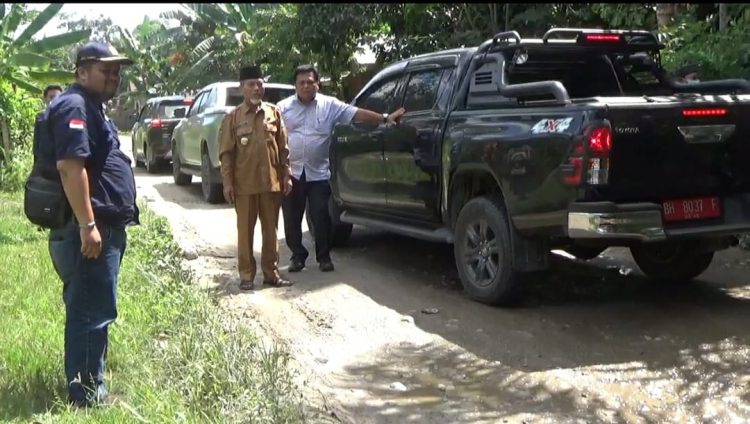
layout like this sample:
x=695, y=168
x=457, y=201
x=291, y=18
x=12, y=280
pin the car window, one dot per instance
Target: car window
x=422, y=89
x=170, y=109
x=234, y=96
x=142, y=113
x=148, y=113
x=275, y=95
x=197, y=104
x=210, y=100
x=444, y=91
x=381, y=97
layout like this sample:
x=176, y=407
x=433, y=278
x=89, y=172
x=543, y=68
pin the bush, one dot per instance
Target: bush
x=721, y=54
x=18, y=110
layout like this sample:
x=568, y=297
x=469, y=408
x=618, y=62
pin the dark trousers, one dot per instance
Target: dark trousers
x=317, y=194
x=90, y=296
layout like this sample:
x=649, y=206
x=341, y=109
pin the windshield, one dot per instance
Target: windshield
x=272, y=95
x=170, y=110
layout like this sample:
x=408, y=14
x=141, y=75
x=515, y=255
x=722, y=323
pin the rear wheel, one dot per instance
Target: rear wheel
x=482, y=249
x=671, y=262
x=179, y=178
x=212, y=190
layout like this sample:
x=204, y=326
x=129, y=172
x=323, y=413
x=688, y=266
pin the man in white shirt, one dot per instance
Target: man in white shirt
x=310, y=117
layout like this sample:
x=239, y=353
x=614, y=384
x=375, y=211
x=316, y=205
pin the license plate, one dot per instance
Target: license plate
x=689, y=209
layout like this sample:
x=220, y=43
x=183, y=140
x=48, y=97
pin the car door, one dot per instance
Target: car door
x=135, y=134
x=412, y=152
x=192, y=133
x=358, y=169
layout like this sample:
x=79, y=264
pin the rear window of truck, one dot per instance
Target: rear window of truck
x=588, y=75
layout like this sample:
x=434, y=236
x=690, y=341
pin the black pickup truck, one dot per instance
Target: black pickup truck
x=576, y=141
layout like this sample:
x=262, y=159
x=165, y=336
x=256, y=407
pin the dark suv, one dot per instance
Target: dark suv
x=152, y=131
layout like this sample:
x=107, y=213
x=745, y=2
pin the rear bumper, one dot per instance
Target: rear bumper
x=643, y=221
x=161, y=146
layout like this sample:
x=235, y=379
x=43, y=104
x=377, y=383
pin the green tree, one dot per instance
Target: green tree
x=695, y=38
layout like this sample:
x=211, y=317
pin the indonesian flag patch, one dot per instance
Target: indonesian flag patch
x=76, y=124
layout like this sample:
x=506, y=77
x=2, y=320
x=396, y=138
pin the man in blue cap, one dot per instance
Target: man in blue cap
x=82, y=143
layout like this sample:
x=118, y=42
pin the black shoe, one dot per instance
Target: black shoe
x=82, y=397
x=296, y=266
x=326, y=266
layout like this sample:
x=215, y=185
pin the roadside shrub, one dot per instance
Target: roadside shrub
x=18, y=110
x=721, y=54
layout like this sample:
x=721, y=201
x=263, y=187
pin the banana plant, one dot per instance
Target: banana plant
x=25, y=61
x=234, y=34
x=157, y=69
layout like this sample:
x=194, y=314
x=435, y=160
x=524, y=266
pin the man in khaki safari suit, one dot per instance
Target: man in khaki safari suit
x=256, y=175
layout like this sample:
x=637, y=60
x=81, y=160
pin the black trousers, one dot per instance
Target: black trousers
x=317, y=194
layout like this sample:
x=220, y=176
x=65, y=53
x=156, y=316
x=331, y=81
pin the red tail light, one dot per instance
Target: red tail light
x=188, y=101
x=600, y=141
x=590, y=159
x=606, y=38
x=690, y=113
x=156, y=123
x=600, y=144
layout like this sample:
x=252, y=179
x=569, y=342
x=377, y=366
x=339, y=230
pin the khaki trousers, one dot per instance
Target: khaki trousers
x=249, y=208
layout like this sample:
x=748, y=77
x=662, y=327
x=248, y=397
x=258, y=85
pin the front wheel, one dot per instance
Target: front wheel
x=212, y=191
x=671, y=262
x=180, y=178
x=482, y=250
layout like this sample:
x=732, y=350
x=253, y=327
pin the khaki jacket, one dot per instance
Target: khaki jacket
x=253, y=149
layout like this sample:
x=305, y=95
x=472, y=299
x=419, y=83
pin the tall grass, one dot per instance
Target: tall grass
x=172, y=358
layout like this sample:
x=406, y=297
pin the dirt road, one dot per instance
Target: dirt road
x=592, y=342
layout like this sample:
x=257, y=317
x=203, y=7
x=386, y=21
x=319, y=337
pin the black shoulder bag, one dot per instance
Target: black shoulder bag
x=45, y=203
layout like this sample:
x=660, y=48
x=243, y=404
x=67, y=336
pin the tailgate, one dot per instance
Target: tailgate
x=166, y=127
x=678, y=150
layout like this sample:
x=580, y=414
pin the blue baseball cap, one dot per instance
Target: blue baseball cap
x=100, y=52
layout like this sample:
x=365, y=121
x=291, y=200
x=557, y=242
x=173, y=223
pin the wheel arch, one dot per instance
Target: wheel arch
x=469, y=182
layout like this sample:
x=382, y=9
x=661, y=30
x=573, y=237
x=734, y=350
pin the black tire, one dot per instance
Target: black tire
x=482, y=238
x=212, y=191
x=671, y=263
x=180, y=179
x=152, y=164
x=340, y=231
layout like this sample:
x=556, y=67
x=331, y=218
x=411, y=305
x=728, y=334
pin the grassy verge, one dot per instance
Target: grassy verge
x=172, y=359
